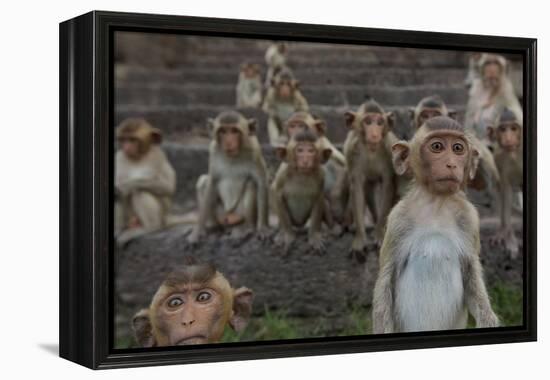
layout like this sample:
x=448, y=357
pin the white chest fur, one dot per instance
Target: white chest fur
x=429, y=291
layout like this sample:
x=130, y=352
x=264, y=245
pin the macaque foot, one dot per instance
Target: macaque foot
x=284, y=240
x=358, y=250
x=317, y=243
x=262, y=233
x=240, y=232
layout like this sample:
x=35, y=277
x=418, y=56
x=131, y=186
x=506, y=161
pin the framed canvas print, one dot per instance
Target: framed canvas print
x=236, y=189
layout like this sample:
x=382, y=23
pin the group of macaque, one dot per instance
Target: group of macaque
x=430, y=274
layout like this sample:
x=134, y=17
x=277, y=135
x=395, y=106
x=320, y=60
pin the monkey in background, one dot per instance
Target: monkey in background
x=507, y=136
x=430, y=273
x=145, y=181
x=283, y=98
x=192, y=306
x=275, y=58
x=489, y=94
x=298, y=189
x=368, y=156
x=249, y=88
x=234, y=193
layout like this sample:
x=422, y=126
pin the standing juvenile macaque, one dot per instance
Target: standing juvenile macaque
x=336, y=189
x=509, y=159
x=145, y=181
x=430, y=273
x=489, y=94
x=192, y=306
x=234, y=193
x=487, y=176
x=298, y=189
x=368, y=155
x=275, y=58
x=282, y=100
x=249, y=87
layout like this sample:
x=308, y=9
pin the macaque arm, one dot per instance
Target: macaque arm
x=317, y=213
x=300, y=102
x=505, y=197
x=280, y=206
x=162, y=184
x=260, y=177
x=268, y=103
x=208, y=205
x=382, y=305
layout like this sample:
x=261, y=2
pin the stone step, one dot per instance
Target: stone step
x=180, y=123
x=332, y=94
x=307, y=76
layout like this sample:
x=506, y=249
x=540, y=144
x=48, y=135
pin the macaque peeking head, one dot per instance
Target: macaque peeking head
x=304, y=153
x=192, y=306
x=301, y=121
x=492, y=67
x=440, y=155
x=231, y=130
x=428, y=107
x=135, y=136
x=370, y=122
x=250, y=70
x=285, y=84
x=508, y=131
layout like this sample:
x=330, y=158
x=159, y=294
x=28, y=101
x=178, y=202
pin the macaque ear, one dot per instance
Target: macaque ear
x=156, y=136
x=325, y=155
x=400, y=157
x=295, y=84
x=349, y=116
x=390, y=117
x=280, y=152
x=242, y=309
x=474, y=164
x=452, y=113
x=320, y=127
x=252, y=124
x=491, y=133
x=143, y=331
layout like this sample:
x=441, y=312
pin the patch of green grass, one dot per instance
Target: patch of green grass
x=507, y=303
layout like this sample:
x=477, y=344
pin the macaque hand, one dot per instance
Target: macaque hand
x=285, y=240
x=317, y=243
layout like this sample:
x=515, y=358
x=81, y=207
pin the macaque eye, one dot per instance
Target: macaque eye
x=437, y=113
x=514, y=128
x=234, y=130
x=368, y=120
x=436, y=147
x=175, y=302
x=203, y=297
x=458, y=148
x=380, y=121
x=502, y=128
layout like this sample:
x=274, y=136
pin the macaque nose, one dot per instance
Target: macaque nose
x=188, y=322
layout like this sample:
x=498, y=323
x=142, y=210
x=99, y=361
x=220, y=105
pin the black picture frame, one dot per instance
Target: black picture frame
x=86, y=168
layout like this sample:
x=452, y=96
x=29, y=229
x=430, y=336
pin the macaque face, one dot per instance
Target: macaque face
x=445, y=157
x=130, y=147
x=191, y=315
x=284, y=90
x=295, y=126
x=509, y=136
x=428, y=113
x=229, y=137
x=250, y=72
x=373, y=128
x=492, y=73
x=306, y=157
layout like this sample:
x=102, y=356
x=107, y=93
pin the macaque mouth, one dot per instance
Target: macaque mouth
x=449, y=178
x=194, y=339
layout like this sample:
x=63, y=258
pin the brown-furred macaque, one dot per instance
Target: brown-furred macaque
x=489, y=94
x=193, y=305
x=368, y=155
x=282, y=99
x=249, y=88
x=487, y=174
x=233, y=194
x=145, y=181
x=430, y=273
x=275, y=58
x=336, y=189
x=298, y=189
x=508, y=153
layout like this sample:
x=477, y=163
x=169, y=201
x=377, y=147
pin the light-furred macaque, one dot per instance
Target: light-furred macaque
x=509, y=159
x=368, y=155
x=487, y=174
x=275, y=58
x=145, y=181
x=489, y=94
x=298, y=189
x=473, y=74
x=192, y=306
x=430, y=273
x=249, y=87
x=282, y=99
x=234, y=193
